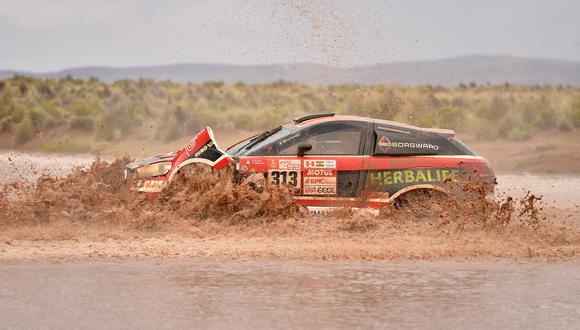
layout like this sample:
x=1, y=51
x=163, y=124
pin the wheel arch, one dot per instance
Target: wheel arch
x=416, y=187
x=189, y=162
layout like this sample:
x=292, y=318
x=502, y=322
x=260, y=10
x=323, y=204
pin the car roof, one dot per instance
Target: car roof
x=393, y=124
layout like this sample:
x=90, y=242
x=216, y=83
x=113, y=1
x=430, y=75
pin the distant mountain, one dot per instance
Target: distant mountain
x=446, y=72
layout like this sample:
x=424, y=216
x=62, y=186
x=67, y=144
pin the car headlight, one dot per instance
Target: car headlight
x=152, y=170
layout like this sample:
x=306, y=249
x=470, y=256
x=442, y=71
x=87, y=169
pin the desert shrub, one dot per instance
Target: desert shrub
x=38, y=117
x=23, y=88
x=213, y=84
x=5, y=124
x=493, y=110
x=427, y=121
x=388, y=107
x=43, y=88
x=546, y=118
x=169, y=110
x=83, y=109
x=117, y=123
x=451, y=118
x=105, y=92
x=82, y=123
x=24, y=131
x=574, y=114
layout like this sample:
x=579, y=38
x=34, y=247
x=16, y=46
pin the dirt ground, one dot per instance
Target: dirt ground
x=547, y=153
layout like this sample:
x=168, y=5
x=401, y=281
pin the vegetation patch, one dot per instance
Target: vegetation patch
x=166, y=110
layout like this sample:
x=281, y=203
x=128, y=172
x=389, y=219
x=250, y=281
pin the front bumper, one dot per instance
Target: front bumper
x=146, y=185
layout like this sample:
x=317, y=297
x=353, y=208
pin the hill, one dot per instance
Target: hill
x=446, y=72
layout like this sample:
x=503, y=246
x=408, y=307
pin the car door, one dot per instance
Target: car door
x=331, y=170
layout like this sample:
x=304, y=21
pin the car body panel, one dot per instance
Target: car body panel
x=375, y=161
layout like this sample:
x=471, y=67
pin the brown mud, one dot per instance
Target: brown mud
x=91, y=213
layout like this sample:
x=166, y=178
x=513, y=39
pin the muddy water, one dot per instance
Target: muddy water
x=221, y=293
x=264, y=294
x=28, y=166
x=561, y=191
x=557, y=190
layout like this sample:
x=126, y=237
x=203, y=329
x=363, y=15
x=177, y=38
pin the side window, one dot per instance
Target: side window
x=394, y=141
x=328, y=139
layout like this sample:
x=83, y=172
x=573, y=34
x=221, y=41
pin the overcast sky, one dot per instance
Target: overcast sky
x=50, y=35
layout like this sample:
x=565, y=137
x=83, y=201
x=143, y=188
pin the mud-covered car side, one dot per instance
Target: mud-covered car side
x=350, y=161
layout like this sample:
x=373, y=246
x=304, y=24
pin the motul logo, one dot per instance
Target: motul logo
x=320, y=173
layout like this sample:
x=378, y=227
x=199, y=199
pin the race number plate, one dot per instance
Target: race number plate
x=287, y=177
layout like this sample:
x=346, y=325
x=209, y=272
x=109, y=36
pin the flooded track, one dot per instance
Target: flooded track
x=185, y=293
x=277, y=274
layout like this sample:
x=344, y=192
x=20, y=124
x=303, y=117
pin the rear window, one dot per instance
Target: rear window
x=463, y=147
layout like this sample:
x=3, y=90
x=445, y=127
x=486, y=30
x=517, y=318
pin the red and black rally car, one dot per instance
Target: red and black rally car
x=330, y=161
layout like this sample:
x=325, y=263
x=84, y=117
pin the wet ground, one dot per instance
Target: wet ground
x=561, y=191
x=149, y=289
x=264, y=294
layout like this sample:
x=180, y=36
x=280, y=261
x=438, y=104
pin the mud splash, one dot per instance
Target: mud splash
x=205, y=214
x=99, y=195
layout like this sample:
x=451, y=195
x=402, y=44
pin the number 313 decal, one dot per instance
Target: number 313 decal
x=291, y=178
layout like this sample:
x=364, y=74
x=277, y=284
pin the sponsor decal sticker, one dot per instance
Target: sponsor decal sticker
x=273, y=163
x=319, y=181
x=289, y=139
x=191, y=145
x=320, y=177
x=412, y=176
x=152, y=186
x=320, y=190
x=323, y=163
x=289, y=164
x=203, y=149
x=385, y=144
x=320, y=172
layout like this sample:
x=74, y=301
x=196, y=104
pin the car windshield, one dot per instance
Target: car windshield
x=259, y=141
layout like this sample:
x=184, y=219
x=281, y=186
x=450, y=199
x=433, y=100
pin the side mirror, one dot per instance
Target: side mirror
x=303, y=148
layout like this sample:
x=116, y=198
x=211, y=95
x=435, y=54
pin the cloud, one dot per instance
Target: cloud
x=50, y=35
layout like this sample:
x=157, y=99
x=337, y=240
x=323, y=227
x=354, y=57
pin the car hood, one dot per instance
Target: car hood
x=156, y=159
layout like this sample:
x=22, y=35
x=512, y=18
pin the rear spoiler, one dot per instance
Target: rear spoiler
x=201, y=149
x=446, y=133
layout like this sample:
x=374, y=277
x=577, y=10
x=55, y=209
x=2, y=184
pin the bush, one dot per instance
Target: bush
x=24, y=131
x=169, y=110
x=5, y=124
x=82, y=123
x=43, y=88
x=451, y=118
x=574, y=114
x=546, y=118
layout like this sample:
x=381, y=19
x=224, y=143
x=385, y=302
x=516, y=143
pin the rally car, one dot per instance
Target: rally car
x=329, y=160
